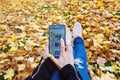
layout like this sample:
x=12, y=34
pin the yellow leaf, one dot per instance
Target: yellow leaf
x=22, y=52
x=1, y=73
x=14, y=37
x=45, y=26
x=84, y=33
x=34, y=65
x=89, y=54
x=96, y=44
x=1, y=39
x=99, y=38
x=115, y=19
x=43, y=41
x=99, y=73
x=108, y=76
x=21, y=67
x=116, y=67
x=9, y=74
x=86, y=43
x=21, y=44
x=106, y=47
x=3, y=55
x=80, y=16
x=87, y=23
x=73, y=3
x=106, y=29
x=14, y=48
x=2, y=27
x=85, y=5
x=9, y=40
x=96, y=25
x=88, y=29
x=100, y=4
x=19, y=58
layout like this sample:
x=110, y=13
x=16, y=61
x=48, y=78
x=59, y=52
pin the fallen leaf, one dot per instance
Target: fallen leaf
x=9, y=74
x=101, y=61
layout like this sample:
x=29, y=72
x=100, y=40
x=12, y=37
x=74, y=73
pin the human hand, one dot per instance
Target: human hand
x=66, y=56
x=44, y=54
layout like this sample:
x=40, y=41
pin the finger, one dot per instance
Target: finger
x=70, y=52
x=47, y=47
x=69, y=48
x=62, y=46
x=53, y=59
x=46, y=50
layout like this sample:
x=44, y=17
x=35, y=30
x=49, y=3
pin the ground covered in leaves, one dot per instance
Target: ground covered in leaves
x=24, y=32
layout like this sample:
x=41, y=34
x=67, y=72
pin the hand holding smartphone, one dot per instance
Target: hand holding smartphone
x=56, y=32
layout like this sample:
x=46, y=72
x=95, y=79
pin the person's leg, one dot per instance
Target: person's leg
x=79, y=49
x=56, y=75
x=79, y=53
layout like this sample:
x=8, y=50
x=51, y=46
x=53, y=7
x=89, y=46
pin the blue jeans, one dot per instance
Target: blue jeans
x=80, y=59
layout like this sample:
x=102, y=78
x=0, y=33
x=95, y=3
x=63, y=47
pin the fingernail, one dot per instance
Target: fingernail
x=61, y=39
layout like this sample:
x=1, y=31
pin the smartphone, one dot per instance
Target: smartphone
x=56, y=32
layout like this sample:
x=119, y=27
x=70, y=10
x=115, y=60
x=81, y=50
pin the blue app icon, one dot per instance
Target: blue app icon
x=57, y=53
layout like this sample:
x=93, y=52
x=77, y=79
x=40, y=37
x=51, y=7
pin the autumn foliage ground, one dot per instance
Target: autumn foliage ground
x=24, y=32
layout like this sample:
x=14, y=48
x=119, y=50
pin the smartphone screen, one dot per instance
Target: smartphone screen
x=56, y=32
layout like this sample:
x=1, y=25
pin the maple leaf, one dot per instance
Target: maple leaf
x=9, y=74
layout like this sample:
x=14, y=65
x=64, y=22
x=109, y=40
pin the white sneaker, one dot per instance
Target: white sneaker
x=77, y=30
